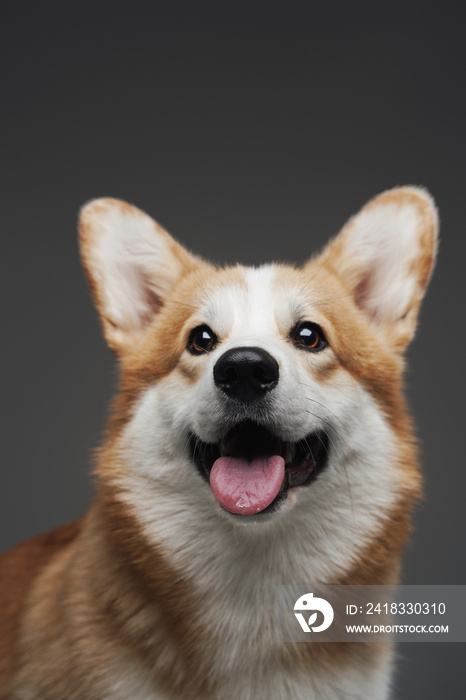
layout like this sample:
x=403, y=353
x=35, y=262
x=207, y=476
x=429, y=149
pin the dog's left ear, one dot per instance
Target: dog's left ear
x=385, y=255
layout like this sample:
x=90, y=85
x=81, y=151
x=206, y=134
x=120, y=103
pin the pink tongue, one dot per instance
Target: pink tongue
x=247, y=487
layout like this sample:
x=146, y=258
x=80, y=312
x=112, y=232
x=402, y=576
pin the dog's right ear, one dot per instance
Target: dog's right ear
x=131, y=264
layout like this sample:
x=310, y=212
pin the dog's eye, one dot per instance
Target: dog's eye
x=309, y=336
x=201, y=339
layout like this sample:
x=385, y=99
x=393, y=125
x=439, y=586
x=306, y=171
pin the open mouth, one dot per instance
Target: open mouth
x=251, y=470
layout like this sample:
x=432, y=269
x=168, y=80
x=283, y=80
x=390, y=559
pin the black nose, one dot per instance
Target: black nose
x=246, y=374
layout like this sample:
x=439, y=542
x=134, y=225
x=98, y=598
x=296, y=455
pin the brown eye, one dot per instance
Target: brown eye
x=201, y=339
x=309, y=336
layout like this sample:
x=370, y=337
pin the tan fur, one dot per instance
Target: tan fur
x=18, y=569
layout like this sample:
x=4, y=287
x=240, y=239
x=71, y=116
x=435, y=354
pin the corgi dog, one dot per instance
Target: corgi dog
x=259, y=437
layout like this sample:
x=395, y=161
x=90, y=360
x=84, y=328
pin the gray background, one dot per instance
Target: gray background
x=251, y=130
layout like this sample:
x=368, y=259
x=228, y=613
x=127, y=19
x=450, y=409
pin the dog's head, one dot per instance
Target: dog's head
x=260, y=394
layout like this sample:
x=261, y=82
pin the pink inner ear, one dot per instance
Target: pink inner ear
x=152, y=301
x=362, y=293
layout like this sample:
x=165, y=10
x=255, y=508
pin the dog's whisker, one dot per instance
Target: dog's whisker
x=324, y=406
x=341, y=460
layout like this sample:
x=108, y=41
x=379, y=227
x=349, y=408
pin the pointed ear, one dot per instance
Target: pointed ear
x=385, y=255
x=131, y=264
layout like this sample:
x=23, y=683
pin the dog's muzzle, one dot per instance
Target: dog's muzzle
x=250, y=468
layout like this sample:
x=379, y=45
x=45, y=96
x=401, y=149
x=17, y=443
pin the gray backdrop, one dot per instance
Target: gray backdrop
x=250, y=130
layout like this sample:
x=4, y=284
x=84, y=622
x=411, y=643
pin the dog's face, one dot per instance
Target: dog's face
x=270, y=394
